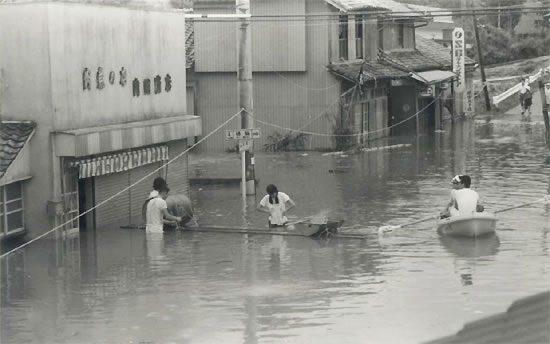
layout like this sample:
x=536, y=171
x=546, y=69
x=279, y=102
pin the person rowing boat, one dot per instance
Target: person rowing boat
x=463, y=200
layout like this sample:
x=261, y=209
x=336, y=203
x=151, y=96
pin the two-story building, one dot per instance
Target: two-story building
x=93, y=103
x=322, y=67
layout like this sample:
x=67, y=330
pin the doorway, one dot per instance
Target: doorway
x=86, y=201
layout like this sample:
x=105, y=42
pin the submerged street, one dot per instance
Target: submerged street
x=409, y=286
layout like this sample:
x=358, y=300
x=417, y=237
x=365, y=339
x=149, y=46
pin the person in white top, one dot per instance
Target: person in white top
x=276, y=204
x=157, y=212
x=525, y=96
x=463, y=199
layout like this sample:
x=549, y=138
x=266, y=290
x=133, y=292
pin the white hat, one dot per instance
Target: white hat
x=456, y=179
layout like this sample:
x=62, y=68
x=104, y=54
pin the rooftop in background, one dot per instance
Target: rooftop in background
x=371, y=70
x=157, y=5
x=383, y=5
x=410, y=60
x=13, y=136
x=440, y=15
x=437, y=52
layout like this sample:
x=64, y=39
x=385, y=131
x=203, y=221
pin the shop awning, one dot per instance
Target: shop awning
x=120, y=162
x=110, y=138
x=433, y=76
x=15, y=162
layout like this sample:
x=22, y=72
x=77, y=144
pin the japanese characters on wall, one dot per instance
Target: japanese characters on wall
x=138, y=87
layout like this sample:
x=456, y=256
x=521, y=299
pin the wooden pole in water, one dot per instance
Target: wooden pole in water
x=544, y=109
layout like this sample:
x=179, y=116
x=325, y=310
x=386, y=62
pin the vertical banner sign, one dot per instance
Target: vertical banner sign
x=458, y=68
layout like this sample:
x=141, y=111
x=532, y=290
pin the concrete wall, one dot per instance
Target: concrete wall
x=44, y=48
x=145, y=43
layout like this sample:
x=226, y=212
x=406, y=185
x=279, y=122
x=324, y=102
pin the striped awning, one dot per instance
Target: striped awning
x=123, y=161
x=116, y=137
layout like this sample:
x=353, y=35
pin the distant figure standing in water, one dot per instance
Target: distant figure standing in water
x=525, y=96
x=276, y=204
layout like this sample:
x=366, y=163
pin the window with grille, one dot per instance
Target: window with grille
x=11, y=209
x=343, y=37
x=359, y=36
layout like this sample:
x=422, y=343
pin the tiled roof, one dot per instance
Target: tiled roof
x=358, y=5
x=371, y=70
x=410, y=60
x=437, y=52
x=525, y=321
x=13, y=136
x=189, y=44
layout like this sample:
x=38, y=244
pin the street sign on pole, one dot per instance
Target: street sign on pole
x=245, y=145
x=242, y=134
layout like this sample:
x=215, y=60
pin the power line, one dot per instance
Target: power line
x=388, y=15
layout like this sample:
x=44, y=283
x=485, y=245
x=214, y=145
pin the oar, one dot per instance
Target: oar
x=389, y=228
x=544, y=199
x=386, y=229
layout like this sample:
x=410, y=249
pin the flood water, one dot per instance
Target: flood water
x=122, y=286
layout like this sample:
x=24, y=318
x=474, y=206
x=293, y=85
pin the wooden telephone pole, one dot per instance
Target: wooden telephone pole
x=481, y=65
x=244, y=82
x=545, y=78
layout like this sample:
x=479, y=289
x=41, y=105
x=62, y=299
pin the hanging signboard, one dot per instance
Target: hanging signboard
x=458, y=58
x=427, y=91
x=242, y=134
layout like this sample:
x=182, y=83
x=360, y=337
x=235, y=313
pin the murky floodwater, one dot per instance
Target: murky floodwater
x=121, y=286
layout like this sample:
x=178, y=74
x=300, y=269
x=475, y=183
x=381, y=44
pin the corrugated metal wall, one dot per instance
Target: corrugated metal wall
x=287, y=99
x=116, y=209
x=277, y=45
x=126, y=208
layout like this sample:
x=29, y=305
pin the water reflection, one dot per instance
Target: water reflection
x=119, y=285
x=471, y=247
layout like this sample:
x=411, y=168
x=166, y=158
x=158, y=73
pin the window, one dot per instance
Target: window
x=380, y=36
x=398, y=36
x=11, y=209
x=359, y=36
x=343, y=37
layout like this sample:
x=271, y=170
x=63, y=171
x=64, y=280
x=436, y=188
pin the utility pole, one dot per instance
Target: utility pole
x=481, y=67
x=244, y=82
x=498, y=17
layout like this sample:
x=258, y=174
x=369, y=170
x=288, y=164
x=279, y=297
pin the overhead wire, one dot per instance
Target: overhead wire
x=124, y=189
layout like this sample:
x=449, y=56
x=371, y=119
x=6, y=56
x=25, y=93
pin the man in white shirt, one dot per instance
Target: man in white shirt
x=157, y=212
x=463, y=199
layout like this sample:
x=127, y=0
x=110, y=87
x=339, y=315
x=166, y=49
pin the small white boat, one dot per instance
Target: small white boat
x=469, y=225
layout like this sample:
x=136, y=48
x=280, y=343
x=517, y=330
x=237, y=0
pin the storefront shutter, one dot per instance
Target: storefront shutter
x=116, y=211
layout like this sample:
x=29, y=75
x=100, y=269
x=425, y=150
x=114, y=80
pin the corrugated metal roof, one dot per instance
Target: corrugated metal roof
x=13, y=136
x=358, y=5
x=371, y=70
x=433, y=76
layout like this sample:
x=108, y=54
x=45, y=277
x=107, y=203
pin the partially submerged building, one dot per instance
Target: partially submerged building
x=356, y=71
x=93, y=103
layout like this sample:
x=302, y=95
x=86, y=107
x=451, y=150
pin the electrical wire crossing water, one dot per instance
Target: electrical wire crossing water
x=126, y=188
